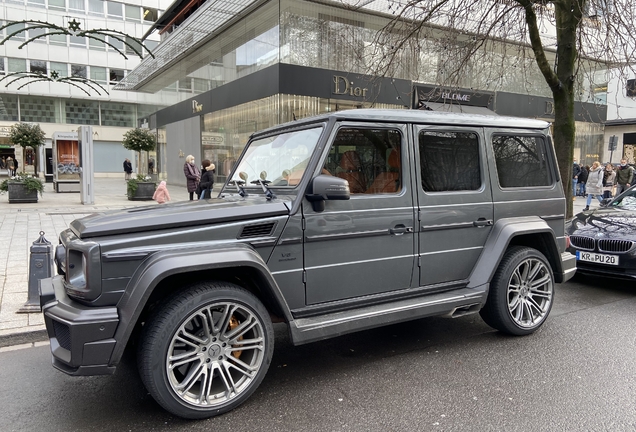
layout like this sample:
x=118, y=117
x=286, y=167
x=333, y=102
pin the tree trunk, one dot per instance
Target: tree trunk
x=568, y=17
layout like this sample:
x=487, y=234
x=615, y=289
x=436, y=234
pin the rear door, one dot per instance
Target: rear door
x=363, y=246
x=454, y=197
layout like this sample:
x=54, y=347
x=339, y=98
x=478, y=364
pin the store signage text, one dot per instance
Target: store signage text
x=342, y=86
x=455, y=96
x=196, y=107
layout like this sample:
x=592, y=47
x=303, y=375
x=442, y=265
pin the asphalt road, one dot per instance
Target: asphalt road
x=578, y=372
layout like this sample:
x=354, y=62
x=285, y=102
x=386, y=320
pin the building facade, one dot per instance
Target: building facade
x=275, y=61
x=58, y=106
x=621, y=117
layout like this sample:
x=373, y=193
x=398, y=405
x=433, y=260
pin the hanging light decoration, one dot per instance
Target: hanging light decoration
x=74, y=28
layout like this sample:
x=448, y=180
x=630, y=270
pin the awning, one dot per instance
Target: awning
x=456, y=108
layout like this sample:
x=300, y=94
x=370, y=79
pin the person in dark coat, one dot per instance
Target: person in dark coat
x=192, y=174
x=582, y=180
x=576, y=170
x=207, y=180
x=127, y=169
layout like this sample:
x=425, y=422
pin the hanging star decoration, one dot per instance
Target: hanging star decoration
x=33, y=77
x=74, y=28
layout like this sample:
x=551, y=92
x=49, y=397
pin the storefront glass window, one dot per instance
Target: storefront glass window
x=37, y=109
x=81, y=112
x=16, y=65
x=225, y=132
x=96, y=7
x=588, y=143
x=60, y=68
x=9, y=104
x=118, y=114
x=250, y=45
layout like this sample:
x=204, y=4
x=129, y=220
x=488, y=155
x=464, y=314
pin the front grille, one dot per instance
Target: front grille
x=614, y=245
x=62, y=334
x=581, y=242
x=260, y=230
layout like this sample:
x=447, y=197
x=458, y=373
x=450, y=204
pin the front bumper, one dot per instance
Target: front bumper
x=81, y=337
x=568, y=264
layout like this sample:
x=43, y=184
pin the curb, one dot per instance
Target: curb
x=23, y=338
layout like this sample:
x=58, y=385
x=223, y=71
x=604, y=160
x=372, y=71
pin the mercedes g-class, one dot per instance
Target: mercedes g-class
x=331, y=224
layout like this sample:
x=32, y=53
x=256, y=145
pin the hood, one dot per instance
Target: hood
x=181, y=214
x=605, y=223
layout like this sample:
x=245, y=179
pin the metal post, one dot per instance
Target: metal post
x=40, y=267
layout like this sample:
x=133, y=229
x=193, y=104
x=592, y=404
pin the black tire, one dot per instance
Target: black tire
x=521, y=292
x=196, y=373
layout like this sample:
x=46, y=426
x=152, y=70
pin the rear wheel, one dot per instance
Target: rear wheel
x=521, y=292
x=207, y=350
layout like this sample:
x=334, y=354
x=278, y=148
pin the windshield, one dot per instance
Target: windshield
x=626, y=201
x=281, y=159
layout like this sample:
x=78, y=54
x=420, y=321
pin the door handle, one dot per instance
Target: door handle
x=400, y=230
x=482, y=222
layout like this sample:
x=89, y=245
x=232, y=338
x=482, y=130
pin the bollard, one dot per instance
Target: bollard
x=40, y=267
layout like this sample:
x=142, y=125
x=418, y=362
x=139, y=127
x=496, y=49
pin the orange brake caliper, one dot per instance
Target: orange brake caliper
x=233, y=324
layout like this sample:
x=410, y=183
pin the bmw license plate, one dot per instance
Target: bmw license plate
x=597, y=258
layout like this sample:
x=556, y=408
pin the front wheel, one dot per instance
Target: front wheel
x=206, y=350
x=521, y=292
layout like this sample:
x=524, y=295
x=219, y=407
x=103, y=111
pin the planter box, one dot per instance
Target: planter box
x=18, y=193
x=144, y=192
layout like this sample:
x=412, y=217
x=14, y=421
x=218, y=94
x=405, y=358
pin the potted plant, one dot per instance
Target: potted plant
x=139, y=140
x=141, y=188
x=27, y=135
x=23, y=188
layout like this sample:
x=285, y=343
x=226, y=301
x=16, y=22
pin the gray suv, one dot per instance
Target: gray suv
x=330, y=225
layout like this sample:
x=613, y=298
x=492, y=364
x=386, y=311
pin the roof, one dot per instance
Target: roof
x=457, y=108
x=418, y=116
x=621, y=122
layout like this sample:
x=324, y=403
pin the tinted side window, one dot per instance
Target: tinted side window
x=449, y=161
x=369, y=159
x=521, y=161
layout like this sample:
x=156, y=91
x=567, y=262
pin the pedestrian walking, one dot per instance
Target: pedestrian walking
x=192, y=174
x=609, y=178
x=594, y=185
x=624, y=177
x=3, y=163
x=127, y=169
x=576, y=170
x=207, y=180
x=10, y=166
x=582, y=180
x=161, y=194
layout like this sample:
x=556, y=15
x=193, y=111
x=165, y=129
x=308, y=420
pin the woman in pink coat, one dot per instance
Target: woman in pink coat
x=161, y=195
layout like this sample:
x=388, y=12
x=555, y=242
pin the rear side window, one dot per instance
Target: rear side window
x=521, y=161
x=449, y=161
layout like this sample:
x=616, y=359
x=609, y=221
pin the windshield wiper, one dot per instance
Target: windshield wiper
x=268, y=192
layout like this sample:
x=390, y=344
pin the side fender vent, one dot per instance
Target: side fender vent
x=260, y=230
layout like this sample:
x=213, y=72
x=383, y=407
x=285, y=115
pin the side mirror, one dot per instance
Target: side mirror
x=326, y=187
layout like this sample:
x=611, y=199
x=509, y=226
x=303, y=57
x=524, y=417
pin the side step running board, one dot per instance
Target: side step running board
x=450, y=303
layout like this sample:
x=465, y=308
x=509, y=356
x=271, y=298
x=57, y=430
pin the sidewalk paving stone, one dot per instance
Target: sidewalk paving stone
x=20, y=225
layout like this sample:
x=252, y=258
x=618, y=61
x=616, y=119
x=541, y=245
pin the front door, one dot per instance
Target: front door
x=365, y=245
x=454, y=203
